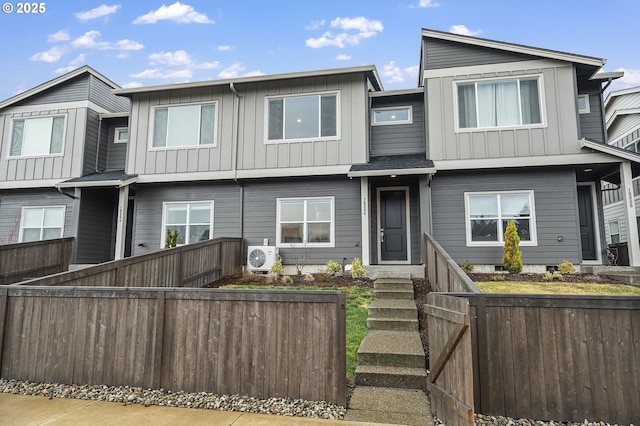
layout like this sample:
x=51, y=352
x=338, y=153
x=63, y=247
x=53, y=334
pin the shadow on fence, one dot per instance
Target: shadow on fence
x=22, y=261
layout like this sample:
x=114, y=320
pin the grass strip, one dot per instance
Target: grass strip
x=557, y=287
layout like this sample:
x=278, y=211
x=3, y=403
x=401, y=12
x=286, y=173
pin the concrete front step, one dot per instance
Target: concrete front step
x=389, y=405
x=397, y=324
x=394, y=294
x=393, y=284
x=392, y=348
x=393, y=308
x=391, y=377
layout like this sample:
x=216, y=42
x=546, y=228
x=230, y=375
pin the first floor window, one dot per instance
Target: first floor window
x=614, y=232
x=305, y=221
x=192, y=220
x=488, y=215
x=302, y=117
x=41, y=223
x=184, y=125
x=37, y=136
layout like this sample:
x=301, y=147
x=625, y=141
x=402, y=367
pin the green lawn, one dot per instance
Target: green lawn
x=557, y=287
x=358, y=300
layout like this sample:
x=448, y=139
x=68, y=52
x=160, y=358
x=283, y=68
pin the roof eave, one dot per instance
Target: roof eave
x=392, y=172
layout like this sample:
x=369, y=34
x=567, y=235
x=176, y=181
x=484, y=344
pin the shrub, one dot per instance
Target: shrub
x=171, y=240
x=309, y=278
x=512, y=259
x=566, y=267
x=553, y=276
x=277, y=269
x=357, y=270
x=333, y=267
x=467, y=266
x=287, y=280
x=497, y=278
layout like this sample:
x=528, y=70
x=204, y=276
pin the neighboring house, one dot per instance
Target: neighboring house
x=327, y=165
x=622, y=115
x=49, y=135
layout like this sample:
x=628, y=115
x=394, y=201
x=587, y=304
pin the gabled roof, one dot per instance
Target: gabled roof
x=54, y=82
x=369, y=70
x=622, y=92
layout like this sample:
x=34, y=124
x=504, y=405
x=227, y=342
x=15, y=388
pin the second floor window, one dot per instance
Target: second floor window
x=302, y=117
x=184, y=125
x=399, y=115
x=500, y=103
x=37, y=136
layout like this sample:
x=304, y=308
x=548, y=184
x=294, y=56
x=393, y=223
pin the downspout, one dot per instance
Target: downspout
x=234, y=153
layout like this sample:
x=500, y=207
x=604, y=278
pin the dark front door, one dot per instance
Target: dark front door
x=393, y=225
x=587, y=234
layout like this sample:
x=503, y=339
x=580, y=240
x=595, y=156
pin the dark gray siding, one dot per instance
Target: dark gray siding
x=399, y=138
x=148, y=210
x=592, y=124
x=95, y=225
x=91, y=143
x=76, y=89
x=11, y=203
x=448, y=54
x=116, y=152
x=260, y=215
x=555, y=212
x=100, y=93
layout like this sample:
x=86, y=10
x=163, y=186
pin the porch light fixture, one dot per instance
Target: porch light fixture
x=588, y=170
x=393, y=176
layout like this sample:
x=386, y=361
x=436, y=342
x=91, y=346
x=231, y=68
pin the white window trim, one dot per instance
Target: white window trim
x=116, y=133
x=304, y=244
x=24, y=208
x=173, y=148
x=26, y=118
x=532, y=220
x=612, y=234
x=587, y=108
x=543, y=111
x=163, y=228
x=392, y=123
x=268, y=141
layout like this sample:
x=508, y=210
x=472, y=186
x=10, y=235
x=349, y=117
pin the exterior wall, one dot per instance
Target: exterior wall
x=148, y=210
x=100, y=94
x=558, y=135
x=76, y=89
x=448, y=54
x=95, y=226
x=260, y=215
x=12, y=201
x=252, y=151
x=91, y=150
x=116, y=152
x=556, y=214
x=591, y=123
x=397, y=139
x=625, y=130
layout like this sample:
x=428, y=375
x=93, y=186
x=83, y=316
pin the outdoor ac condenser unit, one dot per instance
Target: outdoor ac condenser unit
x=261, y=258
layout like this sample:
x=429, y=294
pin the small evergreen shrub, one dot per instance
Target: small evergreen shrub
x=497, y=278
x=287, y=280
x=309, y=278
x=357, y=270
x=566, y=267
x=553, y=276
x=333, y=267
x=277, y=269
x=171, y=239
x=512, y=259
x=467, y=266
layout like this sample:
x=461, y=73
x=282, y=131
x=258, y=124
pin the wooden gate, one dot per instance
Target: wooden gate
x=450, y=381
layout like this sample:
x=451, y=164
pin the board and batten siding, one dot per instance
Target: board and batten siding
x=148, y=210
x=558, y=136
x=401, y=138
x=556, y=214
x=252, y=151
x=67, y=165
x=11, y=203
x=260, y=215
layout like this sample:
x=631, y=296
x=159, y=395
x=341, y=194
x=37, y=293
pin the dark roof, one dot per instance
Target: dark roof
x=106, y=178
x=394, y=164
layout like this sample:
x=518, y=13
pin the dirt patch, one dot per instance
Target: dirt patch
x=421, y=289
x=530, y=277
x=318, y=280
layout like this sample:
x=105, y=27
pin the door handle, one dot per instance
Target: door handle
x=382, y=235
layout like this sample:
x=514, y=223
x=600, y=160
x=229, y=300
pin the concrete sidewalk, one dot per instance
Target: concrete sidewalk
x=22, y=410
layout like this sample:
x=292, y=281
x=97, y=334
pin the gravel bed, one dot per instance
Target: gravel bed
x=203, y=400
x=482, y=420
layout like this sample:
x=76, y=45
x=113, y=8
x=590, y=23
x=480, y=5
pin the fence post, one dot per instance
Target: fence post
x=159, y=341
x=4, y=302
x=180, y=268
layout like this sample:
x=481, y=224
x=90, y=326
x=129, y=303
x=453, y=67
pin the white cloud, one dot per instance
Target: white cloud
x=225, y=48
x=631, y=78
x=78, y=61
x=52, y=55
x=184, y=74
x=61, y=35
x=315, y=25
x=236, y=70
x=360, y=28
x=253, y=73
x=179, y=58
x=92, y=40
x=98, y=12
x=394, y=74
x=427, y=3
x=343, y=57
x=132, y=85
x=177, y=12
x=127, y=44
x=463, y=30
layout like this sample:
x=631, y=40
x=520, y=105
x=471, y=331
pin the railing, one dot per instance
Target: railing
x=23, y=261
x=444, y=274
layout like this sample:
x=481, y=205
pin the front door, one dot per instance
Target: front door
x=587, y=233
x=392, y=230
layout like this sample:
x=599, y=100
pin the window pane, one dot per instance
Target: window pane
x=198, y=233
x=30, y=234
x=276, y=127
x=515, y=205
x=53, y=217
x=183, y=127
x=51, y=233
x=56, y=135
x=207, y=124
x=122, y=135
x=176, y=214
x=467, y=106
x=319, y=210
x=523, y=227
x=16, y=137
x=329, y=115
x=530, y=100
x=301, y=117
x=291, y=233
x=37, y=136
x=483, y=206
x=391, y=115
x=498, y=104
x=200, y=213
x=613, y=228
x=292, y=211
x=32, y=218
x=160, y=127
x=484, y=230
x=182, y=231
x=319, y=232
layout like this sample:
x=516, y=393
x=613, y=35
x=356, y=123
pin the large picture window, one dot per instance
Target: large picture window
x=184, y=125
x=37, y=136
x=500, y=103
x=41, y=223
x=306, y=222
x=489, y=213
x=302, y=117
x=192, y=220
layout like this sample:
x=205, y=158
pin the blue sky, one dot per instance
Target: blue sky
x=148, y=42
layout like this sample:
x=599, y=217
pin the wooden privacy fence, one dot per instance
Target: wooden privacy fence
x=258, y=343
x=34, y=259
x=193, y=265
x=444, y=274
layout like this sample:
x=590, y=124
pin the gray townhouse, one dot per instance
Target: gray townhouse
x=327, y=164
